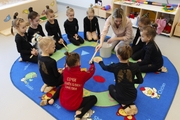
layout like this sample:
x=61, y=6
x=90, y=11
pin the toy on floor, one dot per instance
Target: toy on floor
x=87, y=115
x=121, y=112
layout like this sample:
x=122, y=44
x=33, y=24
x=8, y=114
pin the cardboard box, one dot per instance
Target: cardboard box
x=177, y=30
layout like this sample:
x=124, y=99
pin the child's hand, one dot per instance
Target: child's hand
x=139, y=60
x=34, y=52
x=60, y=41
x=76, y=36
x=60, y=70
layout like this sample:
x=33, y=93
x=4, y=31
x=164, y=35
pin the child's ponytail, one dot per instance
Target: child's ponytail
x=90, y=9
x=69, y=9
x=125, y=51
x=14, y=22
x=150, y=31
x=154, y=25
x=72, y=58
x=48, y=10
x=32, y=14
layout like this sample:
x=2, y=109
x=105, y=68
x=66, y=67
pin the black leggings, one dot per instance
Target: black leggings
x=137, y=51
x=149, y=68
x=33, y=59
x=87, y=103
x=113, y=93
x=76, y=42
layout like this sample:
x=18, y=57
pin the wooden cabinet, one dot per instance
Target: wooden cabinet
x=101, y=13
x=155, y=12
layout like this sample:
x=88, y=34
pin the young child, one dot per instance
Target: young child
x=91, y=25
x=71, y=93
x=35, y=27
x=137, y=42
x=52, y=28
x=51, y=75
x=26, y=50
x=124, y=91
x=151, y=59
x=71, y=27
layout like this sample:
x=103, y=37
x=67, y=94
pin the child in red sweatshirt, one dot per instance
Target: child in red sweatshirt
x=71, y=93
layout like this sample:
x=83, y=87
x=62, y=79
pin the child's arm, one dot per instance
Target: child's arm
x=59, y=30
x=138, y=74
x=109, y=68
x=85, y=28
x=90, y=72
x=136, y=37
x=19, y=41
x=77, y=26
x=97, y=27
x=41, y=31
x=147, y=57
x=54, y=68
x=48, y=29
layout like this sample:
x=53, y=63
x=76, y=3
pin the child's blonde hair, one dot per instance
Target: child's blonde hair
x=16, y=22
x=45, y=42
x=124, y=51
x=119, y=13
x=48, y=10
x=69, y=10
x=90, y=9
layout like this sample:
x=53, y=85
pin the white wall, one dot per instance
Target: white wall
x=83, y=3
x=86, y=3
x=79, y=3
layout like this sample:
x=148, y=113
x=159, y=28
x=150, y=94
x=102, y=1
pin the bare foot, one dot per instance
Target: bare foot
x=20, y=59
x=51, y=101
x=43, y=102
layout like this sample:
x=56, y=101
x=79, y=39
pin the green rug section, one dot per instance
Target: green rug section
x=104, y=100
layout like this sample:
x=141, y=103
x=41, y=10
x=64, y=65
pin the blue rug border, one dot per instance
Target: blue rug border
x=137, y=87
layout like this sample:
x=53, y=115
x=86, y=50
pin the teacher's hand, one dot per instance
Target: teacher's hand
x=98, y=47
x=110, y=40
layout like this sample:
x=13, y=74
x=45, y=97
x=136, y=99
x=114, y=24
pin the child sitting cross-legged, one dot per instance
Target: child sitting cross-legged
x=124, y=91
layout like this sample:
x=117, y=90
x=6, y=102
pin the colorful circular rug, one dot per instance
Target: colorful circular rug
x=154, y=98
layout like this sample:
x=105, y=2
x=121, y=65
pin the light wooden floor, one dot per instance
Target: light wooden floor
x=14, y=105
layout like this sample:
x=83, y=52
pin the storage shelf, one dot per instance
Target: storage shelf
x=146, y=7
x=155, y=12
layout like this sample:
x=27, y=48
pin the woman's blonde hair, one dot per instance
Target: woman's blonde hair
x=69, y=10
x=45, y=42
x=90, y=9
x=119, y=13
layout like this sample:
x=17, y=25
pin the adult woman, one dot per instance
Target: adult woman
x=122, y=29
